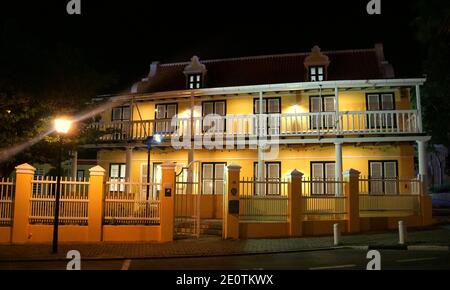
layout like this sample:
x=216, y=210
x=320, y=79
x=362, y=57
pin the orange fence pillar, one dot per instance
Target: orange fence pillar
x=231, y=206
x=24, y=176
x=95, y=208
x=166, y=199
x=351, y=178
x=426, y=209
x=295, y=204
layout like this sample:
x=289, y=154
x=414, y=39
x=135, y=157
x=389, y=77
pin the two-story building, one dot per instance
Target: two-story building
x=319, y=112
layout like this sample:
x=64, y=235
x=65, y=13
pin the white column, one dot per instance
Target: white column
x=336, y=104
x=74, y=164
x=338, y=167
x=260, y=169
x=419, y=108
x=422, y=158
x=128, y=160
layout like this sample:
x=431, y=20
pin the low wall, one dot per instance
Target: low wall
x=319, y=228
x=125, y=233
x=66, y=233
x=5, y=234
x=248, y=230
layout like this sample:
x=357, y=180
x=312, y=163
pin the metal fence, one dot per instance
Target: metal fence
x=323, y=199
x=73, y=201
x=265, y=200
x=127, y=203
x=389, y=196
x=6, y=201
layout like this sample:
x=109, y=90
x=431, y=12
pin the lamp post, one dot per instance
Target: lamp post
x=62, y=126
x=155, y=139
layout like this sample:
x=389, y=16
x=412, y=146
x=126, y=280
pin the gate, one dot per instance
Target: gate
x=187, y=201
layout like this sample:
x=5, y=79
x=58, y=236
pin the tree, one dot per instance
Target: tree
x=38, y=81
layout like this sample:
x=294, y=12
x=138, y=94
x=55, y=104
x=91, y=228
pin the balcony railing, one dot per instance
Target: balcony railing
x=282, y=125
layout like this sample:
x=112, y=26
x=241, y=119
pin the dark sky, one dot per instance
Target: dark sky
x=126, y=35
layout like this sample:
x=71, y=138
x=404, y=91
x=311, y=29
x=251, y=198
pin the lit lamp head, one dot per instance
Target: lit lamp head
x=155, y=139
x=62, y=125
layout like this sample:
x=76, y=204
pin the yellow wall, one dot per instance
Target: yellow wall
x=290, y=103
x=291, y=157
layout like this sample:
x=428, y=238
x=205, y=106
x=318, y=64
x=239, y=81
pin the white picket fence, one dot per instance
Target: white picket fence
x=126, y=203
x=263, y=200
x=7, y=186
x=323, y=199
x=389, y=196
x=73, y=206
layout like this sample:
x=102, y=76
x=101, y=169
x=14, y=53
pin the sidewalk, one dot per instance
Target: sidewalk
x=214, y=246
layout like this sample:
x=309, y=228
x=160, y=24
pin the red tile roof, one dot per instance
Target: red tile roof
x=271, y=69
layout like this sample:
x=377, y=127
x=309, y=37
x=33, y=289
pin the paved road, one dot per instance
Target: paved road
x=318, y=260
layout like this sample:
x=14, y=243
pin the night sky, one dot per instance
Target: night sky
x=125, y=36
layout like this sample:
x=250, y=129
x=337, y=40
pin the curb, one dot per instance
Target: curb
x=60, y=259
x=402, y=247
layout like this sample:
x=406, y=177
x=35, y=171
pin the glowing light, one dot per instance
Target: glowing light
x=62, y=125
x=157, y=138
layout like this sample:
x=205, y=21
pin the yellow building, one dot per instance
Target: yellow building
x=319, y=112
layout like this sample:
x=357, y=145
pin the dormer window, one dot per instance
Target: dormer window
x=195, y=81
x=195, y=73
x=316, y=66
x=316, y=73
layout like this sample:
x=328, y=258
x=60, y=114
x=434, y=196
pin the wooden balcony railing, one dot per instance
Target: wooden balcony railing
x=282, y=125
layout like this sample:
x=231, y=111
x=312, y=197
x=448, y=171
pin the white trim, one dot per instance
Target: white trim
x=297, y=86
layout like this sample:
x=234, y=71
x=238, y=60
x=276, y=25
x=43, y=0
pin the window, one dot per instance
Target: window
x=195, y=81
x=380, y=102
x=383, y=177
x=163, y=117
x=271, y=173
x=80, y=174
x=320, y=172
x=156, y=176
x=121, y=113
x=117, y=173
x=271, y=124
x=218, y=108
x=316, y=73
x=213, y=177
x=319, y=104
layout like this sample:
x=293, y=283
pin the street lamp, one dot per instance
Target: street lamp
x=155, y=139
x=62, y=126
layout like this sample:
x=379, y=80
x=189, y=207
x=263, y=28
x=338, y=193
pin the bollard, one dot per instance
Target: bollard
x=401, y=233
x=337, y=234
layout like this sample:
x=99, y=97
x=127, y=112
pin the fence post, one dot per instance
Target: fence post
x=295, y=204
x=231, y=206
x=24, y=176
x=166, y=199
x=351, y=178
x=95, y=206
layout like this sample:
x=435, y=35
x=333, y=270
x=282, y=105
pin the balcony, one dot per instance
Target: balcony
x=345, y=123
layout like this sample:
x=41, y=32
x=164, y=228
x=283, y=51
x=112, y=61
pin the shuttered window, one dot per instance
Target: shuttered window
x=383, y=177
x=272, y=174
x=380, y=102
x=156, y=175
x=121, y=113
x=321, y=172
x=213, y=178
x=218, y=108
x=117, y=173
x=271, y=125
x=163, y=117
x=319, y=104
x=195, y=81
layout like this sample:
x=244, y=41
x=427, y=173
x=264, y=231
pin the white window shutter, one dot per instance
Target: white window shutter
x=207, y=177
x=208, y=108
x=316, y=178
x=219, y=108
x=316, y=104
x=387, y=101
x=373, y=103
x=126, y=114
x=117, y=114
x=171, y=111
x=330, y=176
x=274, y=106
x=376, y=172
x=160, y=111
x=390, y=172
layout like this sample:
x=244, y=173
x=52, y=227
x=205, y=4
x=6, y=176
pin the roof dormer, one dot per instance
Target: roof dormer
x=316, y=64
x=195, y=74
